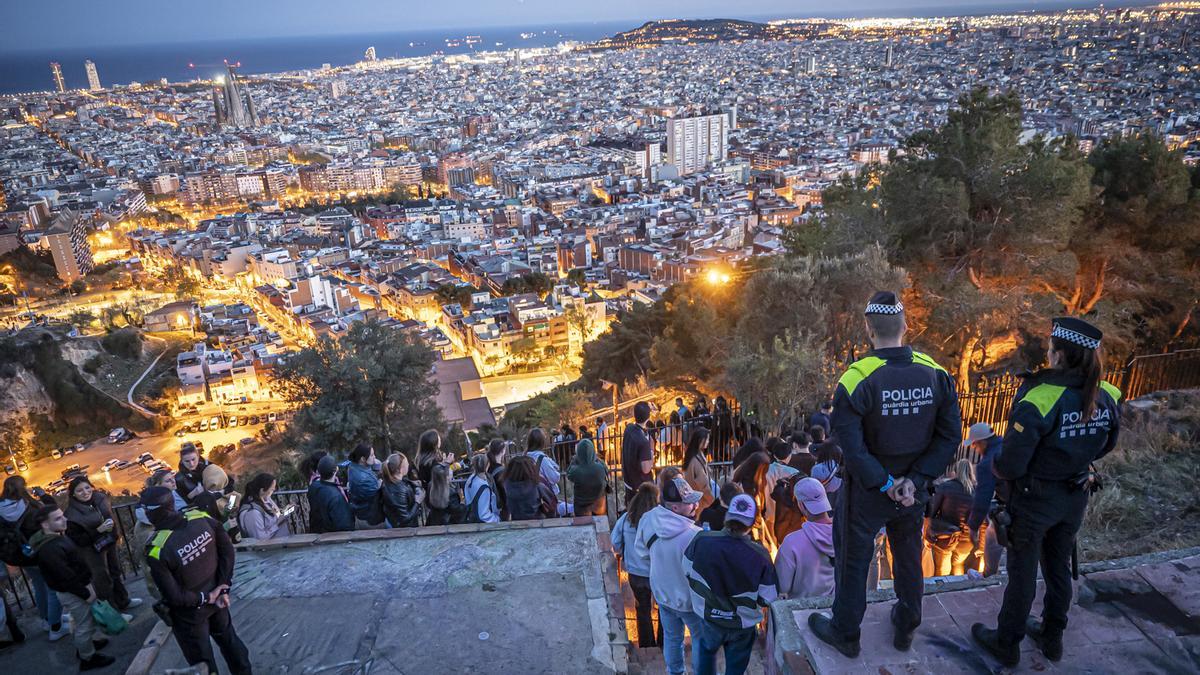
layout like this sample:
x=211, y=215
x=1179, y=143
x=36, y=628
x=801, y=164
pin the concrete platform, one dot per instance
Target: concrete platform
x=510, y=597
x=1134, y=616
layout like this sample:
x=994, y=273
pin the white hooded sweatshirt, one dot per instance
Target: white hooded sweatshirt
x=663, y=535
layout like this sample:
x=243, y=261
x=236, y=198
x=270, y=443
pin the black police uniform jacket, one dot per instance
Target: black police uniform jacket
x=190, y=557
x=895, y=412
x=1048, y=438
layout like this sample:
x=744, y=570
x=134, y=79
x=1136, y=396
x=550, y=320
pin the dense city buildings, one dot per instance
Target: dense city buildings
x=506, y=205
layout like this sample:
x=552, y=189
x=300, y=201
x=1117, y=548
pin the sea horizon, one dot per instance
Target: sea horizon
x=27, y=71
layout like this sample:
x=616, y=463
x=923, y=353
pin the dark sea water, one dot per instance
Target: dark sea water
x=27, y=71
x=30, y=70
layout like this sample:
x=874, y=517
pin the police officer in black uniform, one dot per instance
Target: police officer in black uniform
x=896, y=416
x=191, y=560
x=1064, y=418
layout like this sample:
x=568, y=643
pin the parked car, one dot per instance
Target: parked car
x=56, y=454
x=68, y=450
x=214, y=422
x=78, y=447
x=254, y=419
x=22, y=465
x=203, y=425
x=271, y=417
x=200, y=446
x=180, y=433
x=110, y=464
x=144, y=457
x=246, y=442
x=119, y=435
x=233, y=420
x=122, y=464
x=10, y=469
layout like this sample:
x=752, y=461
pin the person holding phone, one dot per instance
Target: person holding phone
x=259, y=516
x=191, y=559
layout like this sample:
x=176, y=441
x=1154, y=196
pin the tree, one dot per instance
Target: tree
x=622, y=354
x=450, y=293
x=125, y=343
x=187, y=288
x=76, y=287
x=267, y=431
x=562, y=405
x=779, y=380
x=371, y=386
x=81, y=318
x=578, y=319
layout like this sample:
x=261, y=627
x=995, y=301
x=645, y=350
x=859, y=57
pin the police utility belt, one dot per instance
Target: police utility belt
x=999, y=516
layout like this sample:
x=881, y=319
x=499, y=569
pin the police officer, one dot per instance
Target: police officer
x=1064, y=419
x=896, y=416
x=191, y=560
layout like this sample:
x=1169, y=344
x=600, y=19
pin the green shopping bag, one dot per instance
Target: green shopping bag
x=107, y=618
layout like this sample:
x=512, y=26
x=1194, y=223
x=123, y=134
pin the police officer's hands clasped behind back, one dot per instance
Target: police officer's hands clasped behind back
x=897, y=420
x=1063, y=419
x=191, y=559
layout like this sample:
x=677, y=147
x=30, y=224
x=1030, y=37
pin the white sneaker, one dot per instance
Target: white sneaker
x=134, y=602
x=64, y=629
x=127, y=617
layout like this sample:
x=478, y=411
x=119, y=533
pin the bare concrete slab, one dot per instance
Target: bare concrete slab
x=484, y=600
x=1140, y=618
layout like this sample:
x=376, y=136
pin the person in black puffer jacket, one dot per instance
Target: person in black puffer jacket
x=523, y=489
x=949, y=532
x=400, y=494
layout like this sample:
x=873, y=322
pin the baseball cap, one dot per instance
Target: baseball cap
x=824, y=473
x=811, y=494
x=157, y=496
x=677, y=491
x=742, y=509
x=978, y=432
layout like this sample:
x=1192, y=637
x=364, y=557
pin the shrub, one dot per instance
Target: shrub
x=92, y=365
x=125, y=343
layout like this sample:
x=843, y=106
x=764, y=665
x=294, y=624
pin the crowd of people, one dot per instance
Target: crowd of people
x=69, y=555
x=708, y=554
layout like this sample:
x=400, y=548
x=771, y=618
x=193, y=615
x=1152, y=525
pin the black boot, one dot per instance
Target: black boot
x=1050, y=642
x=1008, y=654
x=100, y=643
x=98, y=660
x=901, y=639
x=822, y=627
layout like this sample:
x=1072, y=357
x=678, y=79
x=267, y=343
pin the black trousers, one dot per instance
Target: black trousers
x=194, y=627
x=1044, y=524
x=644, y=607
x=860, y=513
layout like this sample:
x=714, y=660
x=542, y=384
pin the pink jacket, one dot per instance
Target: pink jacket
x=804, y=563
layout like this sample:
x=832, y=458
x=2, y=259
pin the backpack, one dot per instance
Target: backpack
x=472, y=515
x=549, y=499
x=13, y=545
x=784, y=493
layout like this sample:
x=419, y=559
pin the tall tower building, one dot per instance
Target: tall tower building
x=369, y=55
x=337, y=88
x=233, y=104
x=695, y=143
x=92, y=75
x=809, y=65
x=890, y=57
x=56, y=73
x=67, y=240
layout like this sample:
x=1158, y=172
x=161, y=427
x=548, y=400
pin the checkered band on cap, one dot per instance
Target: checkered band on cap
x=877, y=308
x=1073, y=336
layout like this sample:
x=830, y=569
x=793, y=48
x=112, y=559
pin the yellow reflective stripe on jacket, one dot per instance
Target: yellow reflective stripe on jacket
x=157, y=542
x=926, y=360
x=1043, y=397
x=858, y=371
x=1112, y=391
x=161, y=536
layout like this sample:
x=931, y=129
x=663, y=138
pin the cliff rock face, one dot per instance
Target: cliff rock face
x=21, y=395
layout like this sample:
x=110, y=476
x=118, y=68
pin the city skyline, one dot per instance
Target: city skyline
x=39, y=26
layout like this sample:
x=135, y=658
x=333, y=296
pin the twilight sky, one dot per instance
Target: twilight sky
x=32, y=24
